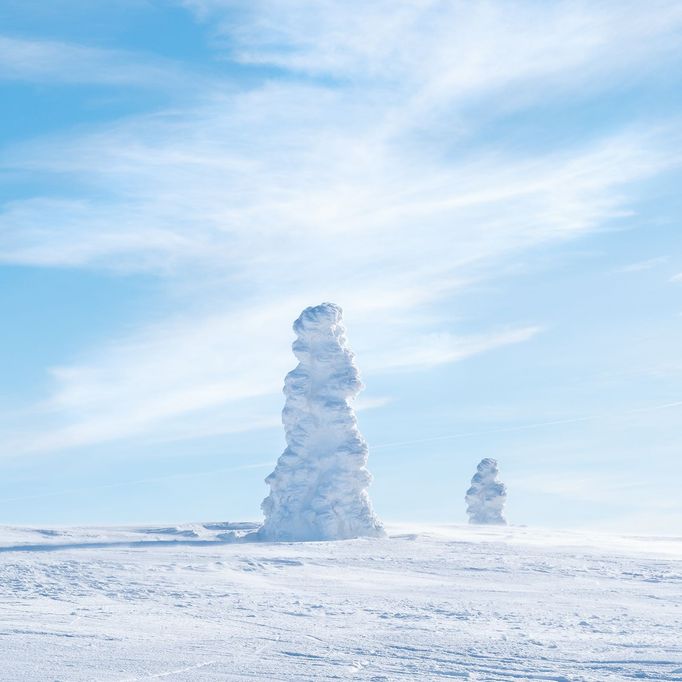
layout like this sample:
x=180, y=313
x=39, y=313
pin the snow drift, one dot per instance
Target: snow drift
x=318, y=490
x=486, y=497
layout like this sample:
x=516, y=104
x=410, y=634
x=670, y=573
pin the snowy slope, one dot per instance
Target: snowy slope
x=195, y=603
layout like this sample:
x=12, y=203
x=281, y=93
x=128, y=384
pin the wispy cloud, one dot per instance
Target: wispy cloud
x=53, y=62
x=595, y=487
x=642, y=265
x=441, y=348
x=676, y=278
x=457, y=45
x=185, y=379
x=361, y=176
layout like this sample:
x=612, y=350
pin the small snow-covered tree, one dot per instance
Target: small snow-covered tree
x=318, y=490
x=486, y=497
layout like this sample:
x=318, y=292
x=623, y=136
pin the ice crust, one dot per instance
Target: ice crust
x=486, y=497
x=318, y=490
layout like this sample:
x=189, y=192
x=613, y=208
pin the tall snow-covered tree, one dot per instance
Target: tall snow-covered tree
x=318, y=490
x=486, y=497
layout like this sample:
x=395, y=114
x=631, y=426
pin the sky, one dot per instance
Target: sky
x=490, y=190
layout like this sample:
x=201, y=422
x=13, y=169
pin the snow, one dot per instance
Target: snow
x=318, y=490
x=198, y=602
x=486, y=497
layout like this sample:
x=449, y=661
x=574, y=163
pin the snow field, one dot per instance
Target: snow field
x=195, y=603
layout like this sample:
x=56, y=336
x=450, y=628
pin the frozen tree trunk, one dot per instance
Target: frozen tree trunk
x=318, y=490
x=486, y=497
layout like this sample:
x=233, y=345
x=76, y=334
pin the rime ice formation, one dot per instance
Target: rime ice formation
x=318, y=490
x=486, y=497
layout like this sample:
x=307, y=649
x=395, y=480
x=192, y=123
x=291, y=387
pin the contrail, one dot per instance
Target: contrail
x=522, y=427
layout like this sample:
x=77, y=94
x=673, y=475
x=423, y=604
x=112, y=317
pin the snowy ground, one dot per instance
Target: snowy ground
x=190, y=603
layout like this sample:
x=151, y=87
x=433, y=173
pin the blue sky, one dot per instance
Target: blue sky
x=489, y=190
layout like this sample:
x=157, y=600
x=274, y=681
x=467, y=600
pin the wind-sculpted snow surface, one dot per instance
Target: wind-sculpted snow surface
x=318, y=490
x=485, y=603
x=486, y=497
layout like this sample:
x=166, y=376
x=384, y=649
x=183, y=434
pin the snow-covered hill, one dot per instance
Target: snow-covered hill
x=197, y=602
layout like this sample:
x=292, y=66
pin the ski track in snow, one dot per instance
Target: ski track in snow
x=169, y=673
x=427, y=603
